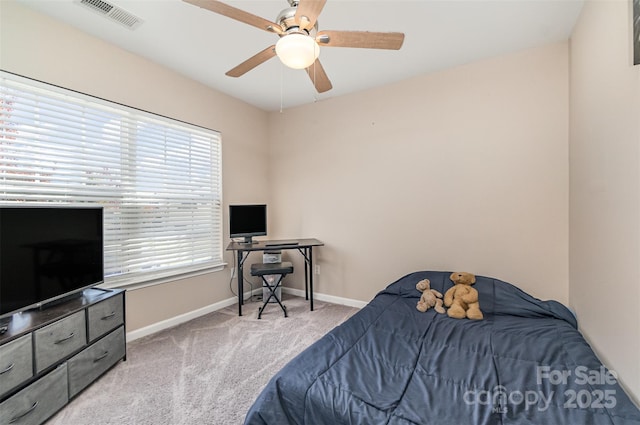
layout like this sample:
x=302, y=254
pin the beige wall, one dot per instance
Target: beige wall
x=38, y=47
x=465, y=169
x=605, y=186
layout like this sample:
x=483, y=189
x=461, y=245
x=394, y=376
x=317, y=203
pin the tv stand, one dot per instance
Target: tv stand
x=49, y=356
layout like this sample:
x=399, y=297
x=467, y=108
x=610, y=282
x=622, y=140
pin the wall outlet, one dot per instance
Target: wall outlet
x=317, y=269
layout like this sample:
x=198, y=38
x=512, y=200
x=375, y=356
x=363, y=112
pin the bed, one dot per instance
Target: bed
x=524, y=363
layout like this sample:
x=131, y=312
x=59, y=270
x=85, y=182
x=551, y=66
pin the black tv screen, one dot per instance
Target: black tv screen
x=247, y=221
x=47, y=253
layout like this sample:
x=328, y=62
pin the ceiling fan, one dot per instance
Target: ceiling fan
x=300, y=40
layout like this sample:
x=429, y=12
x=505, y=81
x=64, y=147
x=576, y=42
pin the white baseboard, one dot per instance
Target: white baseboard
x=174, y=321
x=326, y=298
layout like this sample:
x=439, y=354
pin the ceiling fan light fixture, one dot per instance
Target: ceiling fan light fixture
x=297, y=51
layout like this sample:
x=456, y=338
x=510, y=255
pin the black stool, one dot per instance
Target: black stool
x=280, y=269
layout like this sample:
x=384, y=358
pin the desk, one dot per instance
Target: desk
x=304, y=247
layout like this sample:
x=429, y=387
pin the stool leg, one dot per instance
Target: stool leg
x=272, y=294
x=265, y=302
x=284, y=308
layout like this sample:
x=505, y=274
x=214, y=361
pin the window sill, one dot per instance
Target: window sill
x=163, y=280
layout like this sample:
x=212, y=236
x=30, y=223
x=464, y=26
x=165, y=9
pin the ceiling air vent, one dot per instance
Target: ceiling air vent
x=112, y=12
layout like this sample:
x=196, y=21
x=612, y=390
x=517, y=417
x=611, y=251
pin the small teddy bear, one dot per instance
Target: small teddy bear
x=461, y=298
x=429, y=298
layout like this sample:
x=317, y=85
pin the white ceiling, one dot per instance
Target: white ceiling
x=439, y=34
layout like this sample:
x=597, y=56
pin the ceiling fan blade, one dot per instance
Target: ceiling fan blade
x=237, y=14
x=252, y=62
x=361, y=39
x=307, y=13
x=319, y=77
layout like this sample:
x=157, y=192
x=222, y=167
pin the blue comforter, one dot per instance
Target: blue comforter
x=525, y=363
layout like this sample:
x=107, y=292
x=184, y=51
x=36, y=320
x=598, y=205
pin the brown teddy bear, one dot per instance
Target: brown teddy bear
x=461, y=298
x=429, y=298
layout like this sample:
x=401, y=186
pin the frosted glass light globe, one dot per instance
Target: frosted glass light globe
x=297, y=51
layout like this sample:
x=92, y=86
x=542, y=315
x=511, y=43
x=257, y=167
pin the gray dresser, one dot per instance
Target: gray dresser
x=48, y=356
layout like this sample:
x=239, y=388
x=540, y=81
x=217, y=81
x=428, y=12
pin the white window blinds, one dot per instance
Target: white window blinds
x=159, y=180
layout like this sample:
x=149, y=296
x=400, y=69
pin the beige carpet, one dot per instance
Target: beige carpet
x=206, y=371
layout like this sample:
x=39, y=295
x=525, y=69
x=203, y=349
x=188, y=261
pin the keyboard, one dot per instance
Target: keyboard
x=282, y=243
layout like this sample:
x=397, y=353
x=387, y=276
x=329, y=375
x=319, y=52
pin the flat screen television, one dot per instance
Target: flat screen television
x=247, y=221
x=47, y=254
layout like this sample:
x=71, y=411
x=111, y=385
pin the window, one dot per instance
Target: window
x=159, y=180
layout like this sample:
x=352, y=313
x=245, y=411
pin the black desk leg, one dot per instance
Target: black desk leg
x=306, y=274
x=311, y=277
x=240, y=288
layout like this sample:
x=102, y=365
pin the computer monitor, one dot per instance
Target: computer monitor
x=247, y=221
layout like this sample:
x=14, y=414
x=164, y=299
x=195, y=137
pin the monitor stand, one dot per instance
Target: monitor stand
x=248, y=240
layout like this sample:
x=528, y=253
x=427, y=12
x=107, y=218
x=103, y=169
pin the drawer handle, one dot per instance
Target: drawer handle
x=60, y=341
x=8, y=368
x=17, y=418
x=109, y=316
x=100, y=357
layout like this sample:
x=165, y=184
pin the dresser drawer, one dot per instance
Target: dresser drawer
x=58, y=340
x=38, y=401
x=16, y=363
x=105, y=316
x=89, y=364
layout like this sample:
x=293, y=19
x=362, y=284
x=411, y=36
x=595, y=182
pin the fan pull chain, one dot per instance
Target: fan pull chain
x=281, y=86
x=315, y=92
